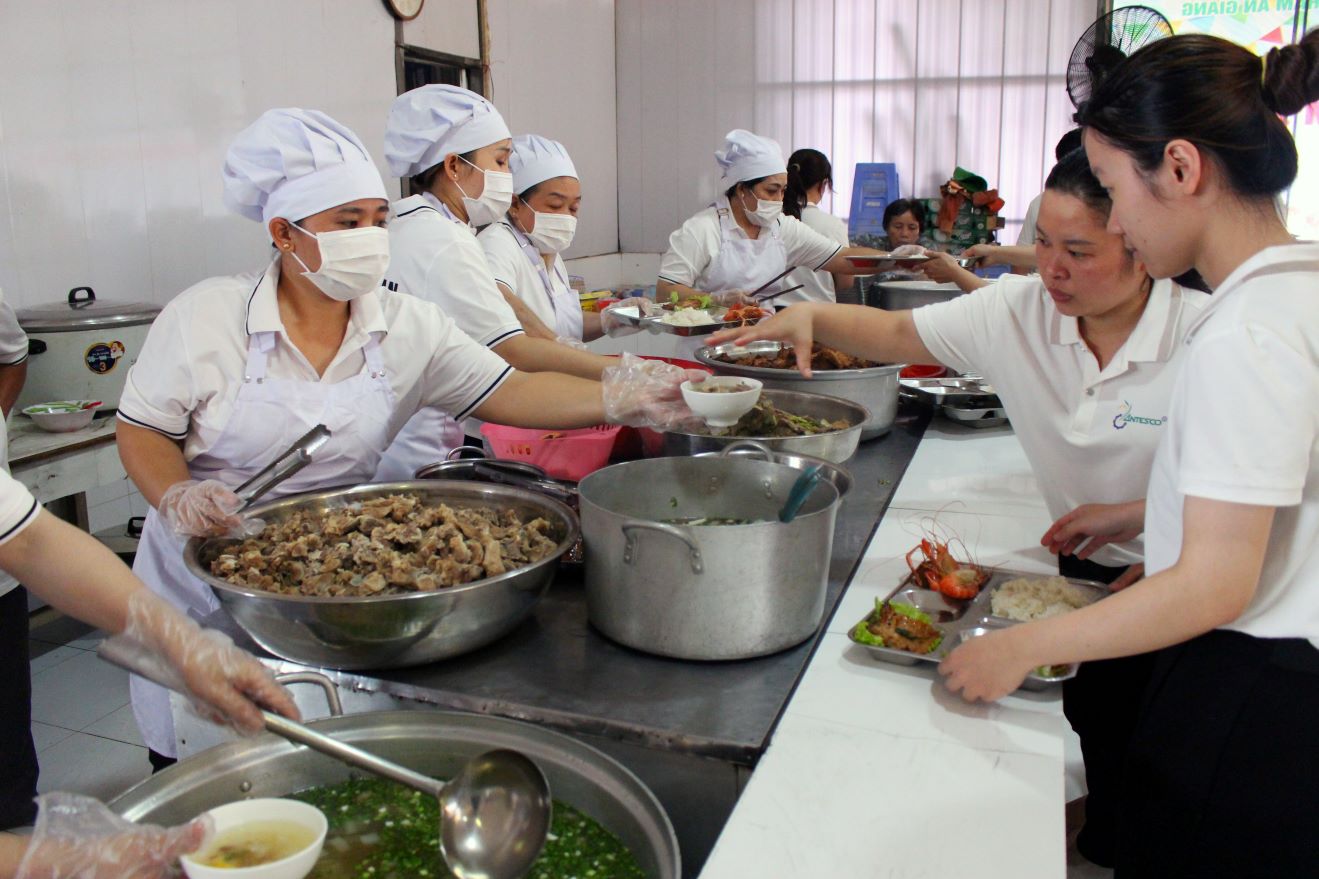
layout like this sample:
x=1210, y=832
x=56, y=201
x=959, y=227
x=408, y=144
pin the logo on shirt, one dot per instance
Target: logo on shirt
x=1124, y=417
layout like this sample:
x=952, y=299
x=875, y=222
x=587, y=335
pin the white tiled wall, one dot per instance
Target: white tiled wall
x=114, y=118
x=115, y=115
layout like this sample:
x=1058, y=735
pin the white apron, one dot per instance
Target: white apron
x=270, y=414
x=566, y=306
x=430, y=433
x=741, y=264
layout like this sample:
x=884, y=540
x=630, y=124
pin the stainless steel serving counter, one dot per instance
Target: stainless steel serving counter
x=692, y=731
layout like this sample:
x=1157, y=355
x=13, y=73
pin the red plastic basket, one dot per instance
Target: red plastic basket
x=563, y=454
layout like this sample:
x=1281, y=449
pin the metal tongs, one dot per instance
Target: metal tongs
x=286, y=465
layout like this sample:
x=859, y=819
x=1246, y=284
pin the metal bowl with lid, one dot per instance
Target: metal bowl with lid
x=391, y=631
x=82, y=347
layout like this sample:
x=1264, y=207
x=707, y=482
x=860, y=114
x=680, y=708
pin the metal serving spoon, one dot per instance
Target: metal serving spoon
x=494, y=814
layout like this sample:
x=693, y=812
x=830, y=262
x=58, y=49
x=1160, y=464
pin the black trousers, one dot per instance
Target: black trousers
x=18, y=756
x=1222, y=778
x=1102, y=704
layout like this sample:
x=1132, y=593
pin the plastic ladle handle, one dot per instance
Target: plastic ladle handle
x=801, y=490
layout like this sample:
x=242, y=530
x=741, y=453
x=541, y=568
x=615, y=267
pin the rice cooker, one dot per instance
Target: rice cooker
x=81, y=349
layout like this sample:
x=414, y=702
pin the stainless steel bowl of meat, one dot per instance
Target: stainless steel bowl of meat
x=390, y=574
x=833, y=431
x=872, y=385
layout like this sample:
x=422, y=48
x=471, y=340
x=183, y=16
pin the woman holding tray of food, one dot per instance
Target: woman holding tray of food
x=1187, y=137
x=1084, y=357
x=237, y=368
x=743, y=241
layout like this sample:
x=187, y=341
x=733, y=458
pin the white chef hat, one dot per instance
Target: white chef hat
x=748, y=156
x=536, y=159
x=431, y=122
x=293, y=163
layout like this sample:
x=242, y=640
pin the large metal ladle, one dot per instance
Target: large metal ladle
x=494, y=814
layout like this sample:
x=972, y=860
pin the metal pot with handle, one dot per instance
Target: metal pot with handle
x=657, y=583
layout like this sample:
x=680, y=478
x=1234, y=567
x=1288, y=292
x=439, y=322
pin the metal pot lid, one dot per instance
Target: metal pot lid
x=83, y=311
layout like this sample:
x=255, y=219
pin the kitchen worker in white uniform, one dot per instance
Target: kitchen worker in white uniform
x=235, y=369
x=1084, y=356
x=454, y=147
x=742, y=240
x=75, y=835
x=18, y=775
x=523, y=247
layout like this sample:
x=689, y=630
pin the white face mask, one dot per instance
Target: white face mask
x=766, y=212
x=551, y=233
x=353, y=261
x=494, y=201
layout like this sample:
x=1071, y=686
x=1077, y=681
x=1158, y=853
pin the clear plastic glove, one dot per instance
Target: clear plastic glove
x=647, y=393
x=572, y=343
x=615, y=326
x=201, y=509
x=897, y=253
x=77, y=837
x=943, y=269
x=224, y=683
x=983, y=254
x=729, y=298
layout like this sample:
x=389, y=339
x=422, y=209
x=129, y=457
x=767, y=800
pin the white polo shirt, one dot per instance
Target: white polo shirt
x=509, y=254
x=17, y=507
x=692, y=246
x=13, y=341
x=1244, y=428
x=437, y=258
x=1090, y=435
x=187, y=377
x=816, y=286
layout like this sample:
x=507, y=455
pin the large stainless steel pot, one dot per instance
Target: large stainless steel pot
x=836, y=445
x=875, y=387
x=704, y=591
x=903, y=295
x=391, y=631
x=433, y=742
x=836, y=474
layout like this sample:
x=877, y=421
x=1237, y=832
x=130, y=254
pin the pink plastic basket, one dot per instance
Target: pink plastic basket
x=563, y=454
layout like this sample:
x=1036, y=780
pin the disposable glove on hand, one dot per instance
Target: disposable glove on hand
x=77, y=837
x=201, y=509
x=647, y=393
x=615, y=326
x=226, y=685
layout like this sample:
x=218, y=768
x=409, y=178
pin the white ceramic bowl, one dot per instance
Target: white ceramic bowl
x=721, y=409
x=63, y=416
x=259, y=811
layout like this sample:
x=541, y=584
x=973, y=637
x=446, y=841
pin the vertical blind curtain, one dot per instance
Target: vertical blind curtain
x=925, y=84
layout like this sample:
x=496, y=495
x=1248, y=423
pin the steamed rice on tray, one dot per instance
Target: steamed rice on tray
x=1025, y=599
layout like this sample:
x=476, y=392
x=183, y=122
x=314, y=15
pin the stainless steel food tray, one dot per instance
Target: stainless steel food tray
x=952, y=386
x=631, y=314
x=960, y=620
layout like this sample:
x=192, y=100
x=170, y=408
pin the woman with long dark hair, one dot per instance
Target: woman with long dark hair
x=1222, y=778
x=810, y=176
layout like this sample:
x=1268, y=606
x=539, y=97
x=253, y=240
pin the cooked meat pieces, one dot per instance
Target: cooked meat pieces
x=383, y=546
x=904, y=633
x=822, y=357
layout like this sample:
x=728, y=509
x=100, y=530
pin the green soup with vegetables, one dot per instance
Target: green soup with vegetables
x=382, y=830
